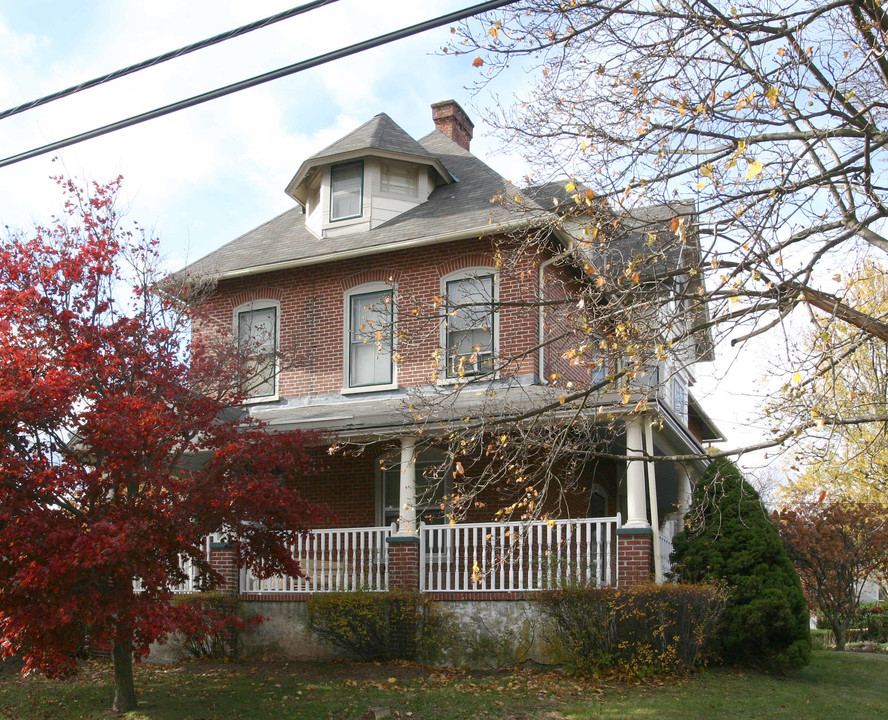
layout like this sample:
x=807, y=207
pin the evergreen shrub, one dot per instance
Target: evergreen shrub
x=729, y=538
x=638, y=630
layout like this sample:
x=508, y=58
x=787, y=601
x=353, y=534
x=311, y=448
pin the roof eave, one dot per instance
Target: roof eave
x=480, y=231
x=295, y=187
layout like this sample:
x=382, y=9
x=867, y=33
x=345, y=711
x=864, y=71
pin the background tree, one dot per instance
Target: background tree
x=769, y=116
x=847, y=379
x=835, y=546
x=117, y=455
x=729, y=538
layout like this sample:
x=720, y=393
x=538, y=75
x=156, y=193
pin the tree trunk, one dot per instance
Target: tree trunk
x=124, y=687
x=840, y=631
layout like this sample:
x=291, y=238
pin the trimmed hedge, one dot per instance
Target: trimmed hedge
x=637, y=630
x=869, y=622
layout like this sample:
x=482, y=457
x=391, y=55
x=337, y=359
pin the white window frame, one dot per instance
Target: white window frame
x=449, y=374
x=256, y=306
x=679, y=405
x=360, y=213
x=367, y=289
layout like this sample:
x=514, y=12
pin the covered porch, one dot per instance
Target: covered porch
x=620, y=532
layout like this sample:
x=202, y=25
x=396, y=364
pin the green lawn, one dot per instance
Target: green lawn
x=835, y=686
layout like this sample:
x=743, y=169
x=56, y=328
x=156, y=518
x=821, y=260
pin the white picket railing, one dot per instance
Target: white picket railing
x=334, y=561
x=192, y=582
x=516, y=556
x=665, y=551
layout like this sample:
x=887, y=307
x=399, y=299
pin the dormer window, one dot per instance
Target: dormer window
x=346, y=191
x=398, y=179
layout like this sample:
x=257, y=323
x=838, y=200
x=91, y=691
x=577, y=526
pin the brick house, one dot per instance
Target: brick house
x=384, y=290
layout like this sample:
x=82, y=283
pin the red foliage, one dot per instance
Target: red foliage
x=117, y=454
x=835, y=546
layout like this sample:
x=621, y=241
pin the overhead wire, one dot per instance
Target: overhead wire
x=171, y=55
x=260, y=79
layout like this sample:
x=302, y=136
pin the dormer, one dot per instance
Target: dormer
x=365, y=179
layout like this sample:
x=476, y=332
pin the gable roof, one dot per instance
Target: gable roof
x=461, y=209
x=381, y=137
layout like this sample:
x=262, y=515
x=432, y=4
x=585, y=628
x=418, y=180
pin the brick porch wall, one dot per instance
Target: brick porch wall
x=635, y=556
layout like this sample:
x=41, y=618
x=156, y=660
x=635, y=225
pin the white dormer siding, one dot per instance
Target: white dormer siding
x=389, y=188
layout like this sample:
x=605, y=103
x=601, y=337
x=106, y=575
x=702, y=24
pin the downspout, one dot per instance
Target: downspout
x=651, y=477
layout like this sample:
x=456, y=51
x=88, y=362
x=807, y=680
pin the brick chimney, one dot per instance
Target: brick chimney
x=452, y=120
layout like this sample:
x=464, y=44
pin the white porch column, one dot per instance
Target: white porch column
x=684, y=491
x=636, y=503
x=407, y=495
x=655, y=506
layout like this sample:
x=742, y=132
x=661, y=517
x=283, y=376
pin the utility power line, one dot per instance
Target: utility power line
x=260, y=79
x=171, y=55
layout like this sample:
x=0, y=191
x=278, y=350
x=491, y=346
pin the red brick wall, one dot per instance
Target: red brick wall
x=225, y=561
x=635, y=559
x=403, y=565
x=347, y=484
x=312, y=310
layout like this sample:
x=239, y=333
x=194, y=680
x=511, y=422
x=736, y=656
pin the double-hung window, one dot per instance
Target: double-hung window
x=680, y=398
x=469, y=325
x=370, y=331
x=257, y=344
x=346, y=191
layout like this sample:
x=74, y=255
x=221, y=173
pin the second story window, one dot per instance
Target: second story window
x=346, y=191
x=257, y=344
x=680, y=398
x=370, y=331
x=469, y=325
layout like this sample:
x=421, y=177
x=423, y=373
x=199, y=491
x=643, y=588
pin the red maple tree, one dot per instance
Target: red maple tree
x=119, y=449
x=835, y=546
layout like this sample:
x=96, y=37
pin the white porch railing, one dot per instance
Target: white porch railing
x=334, y=561
x=189, y=567
x=516, y=556
x=665, y=551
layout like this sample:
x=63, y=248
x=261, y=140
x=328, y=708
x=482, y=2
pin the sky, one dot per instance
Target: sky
x=201, y=177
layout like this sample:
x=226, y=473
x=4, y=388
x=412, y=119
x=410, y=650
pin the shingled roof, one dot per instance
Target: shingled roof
x=380, y=136
x=381, y=133
x=463, y=208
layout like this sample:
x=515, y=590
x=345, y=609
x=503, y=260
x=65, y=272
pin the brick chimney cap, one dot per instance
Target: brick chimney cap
x=446, y=108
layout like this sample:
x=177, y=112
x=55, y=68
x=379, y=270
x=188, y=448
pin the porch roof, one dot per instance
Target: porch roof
x=380, y=415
